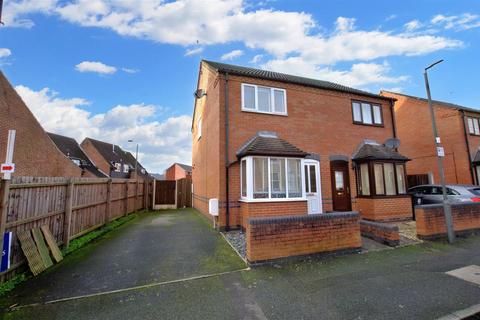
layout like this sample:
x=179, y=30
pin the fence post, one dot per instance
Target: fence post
x=136, y=196
x=4, y=195
x=126, y=196
x=108, y=211
x=145, y=194
x=68, y=213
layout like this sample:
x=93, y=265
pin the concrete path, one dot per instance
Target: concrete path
x=405, y=283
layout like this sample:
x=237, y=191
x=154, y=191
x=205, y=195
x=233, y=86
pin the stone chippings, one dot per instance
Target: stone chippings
x=238, y=240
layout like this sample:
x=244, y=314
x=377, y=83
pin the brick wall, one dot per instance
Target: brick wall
x=381, y=232
x=431, y=221
x=385, y=209
x=34, y=154
x=270, y=209
x=313, y=122
x=175, y=172
x=414, y=129
x=281, y=237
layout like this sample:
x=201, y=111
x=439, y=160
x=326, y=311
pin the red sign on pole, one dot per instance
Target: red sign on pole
x=7, y=168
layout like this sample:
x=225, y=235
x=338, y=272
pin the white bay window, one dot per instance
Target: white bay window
x=271, y=179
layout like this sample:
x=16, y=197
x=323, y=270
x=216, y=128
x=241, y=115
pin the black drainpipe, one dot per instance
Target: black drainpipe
x=392, y=114
x=227, y=160
x=468, y=147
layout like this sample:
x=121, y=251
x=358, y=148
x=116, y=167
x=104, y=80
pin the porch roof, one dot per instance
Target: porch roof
x=268, y=144
x=378, y=152
x=476, y=159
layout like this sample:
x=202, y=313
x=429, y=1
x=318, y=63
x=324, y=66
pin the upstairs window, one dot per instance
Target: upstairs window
x=126, y=168
x=473, y=127
x=367, y=113
x=264, y=99
x=118, y=166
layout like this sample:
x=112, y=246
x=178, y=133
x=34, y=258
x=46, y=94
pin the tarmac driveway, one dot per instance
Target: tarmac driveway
x=155, y=247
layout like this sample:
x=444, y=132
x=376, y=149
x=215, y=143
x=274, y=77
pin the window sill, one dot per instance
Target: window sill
x=263, y=112
x=369, y=125
x=272, y=200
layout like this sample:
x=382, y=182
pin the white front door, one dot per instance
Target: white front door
x=312, y=186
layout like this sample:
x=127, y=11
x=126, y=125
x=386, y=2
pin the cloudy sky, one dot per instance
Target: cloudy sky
x=126, y=69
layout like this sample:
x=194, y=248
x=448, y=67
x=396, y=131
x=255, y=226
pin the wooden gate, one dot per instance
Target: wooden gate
x=164, y=194
x=184, y=193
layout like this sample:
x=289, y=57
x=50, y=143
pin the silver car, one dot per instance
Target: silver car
x=432, y=193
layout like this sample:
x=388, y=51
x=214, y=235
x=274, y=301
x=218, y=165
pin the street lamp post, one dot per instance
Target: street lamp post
x=447, y=210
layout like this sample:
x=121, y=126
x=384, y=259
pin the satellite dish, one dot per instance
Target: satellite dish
x=392, y=143
x=199, y=93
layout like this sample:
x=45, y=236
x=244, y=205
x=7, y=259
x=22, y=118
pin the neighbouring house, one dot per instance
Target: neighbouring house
x=458, y=129
x=70, y=147
x=267, y=144
x=157, y=176
x=34, y=154
x=112, y=159
x=178, y=171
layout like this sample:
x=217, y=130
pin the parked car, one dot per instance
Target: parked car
x=432, y=193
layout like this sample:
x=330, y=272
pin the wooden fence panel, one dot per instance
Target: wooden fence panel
x=36, y=201
x=184, y=193
x=165, y=192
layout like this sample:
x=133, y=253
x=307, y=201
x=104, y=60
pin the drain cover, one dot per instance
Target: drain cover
x=468, y=273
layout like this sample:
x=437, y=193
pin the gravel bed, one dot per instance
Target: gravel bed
x=237, y=239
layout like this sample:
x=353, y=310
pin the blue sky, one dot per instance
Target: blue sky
x=117, y=70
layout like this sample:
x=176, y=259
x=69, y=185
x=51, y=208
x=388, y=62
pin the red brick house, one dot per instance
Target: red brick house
x=459, y=132
x=112, y=159
x=178, y=171
x=34, y=152
x=269, y=144
x=70, y=148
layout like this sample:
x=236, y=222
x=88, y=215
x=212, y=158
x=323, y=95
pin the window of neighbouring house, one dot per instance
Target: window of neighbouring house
x=126, y=168
x=473, y=126
x=118, y=166
x=264, y=99
x=367, y=113
x=271, y=178
x=387, y=178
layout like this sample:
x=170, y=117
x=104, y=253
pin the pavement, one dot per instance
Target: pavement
x=173, y=265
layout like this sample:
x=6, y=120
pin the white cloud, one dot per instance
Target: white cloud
x=459, y=22
x=412, y=25
x=360, y=74
x=5, y=52
x=15, y=10
x=193, y=51
x=256, y=59
x=161, y=142
x=344, y=24
x=129, y=70
x=232, y=55
x=96, y=67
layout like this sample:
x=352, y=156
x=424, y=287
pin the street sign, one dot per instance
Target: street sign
x=7, y=168
x=440, y=152
x=7, y=245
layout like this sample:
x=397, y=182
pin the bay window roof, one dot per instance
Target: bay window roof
x=375, y=151
x=476, y=159
x=268, y=144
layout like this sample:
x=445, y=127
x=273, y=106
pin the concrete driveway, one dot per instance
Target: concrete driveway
x=156, y=247
x=404, y=283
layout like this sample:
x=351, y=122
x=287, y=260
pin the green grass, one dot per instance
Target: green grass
x=74, y=245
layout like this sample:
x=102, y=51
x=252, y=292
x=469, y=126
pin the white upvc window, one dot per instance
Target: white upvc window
x=271, y=179
x=118, y=166
x=473, y=127
x=126, y=168
x=264, y=99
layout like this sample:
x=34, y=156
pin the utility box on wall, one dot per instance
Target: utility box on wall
x=213, y=207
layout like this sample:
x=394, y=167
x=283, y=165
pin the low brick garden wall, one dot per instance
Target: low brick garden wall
x=430, y=220
x=381, y=232
x=292, y=236
x=385, y=209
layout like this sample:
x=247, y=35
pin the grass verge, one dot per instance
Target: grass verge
x=74, y=245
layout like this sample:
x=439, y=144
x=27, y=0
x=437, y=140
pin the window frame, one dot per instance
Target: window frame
x=250, y=180
x=199, y=128
x=372, y=113
x=474, y=120
x=272, y=99
x=372, y=182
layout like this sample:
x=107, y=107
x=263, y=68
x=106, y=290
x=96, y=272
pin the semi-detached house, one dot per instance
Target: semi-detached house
x=270, y=144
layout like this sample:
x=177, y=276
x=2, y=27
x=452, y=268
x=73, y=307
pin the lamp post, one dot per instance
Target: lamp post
x=447, y=210
x=136, y=160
